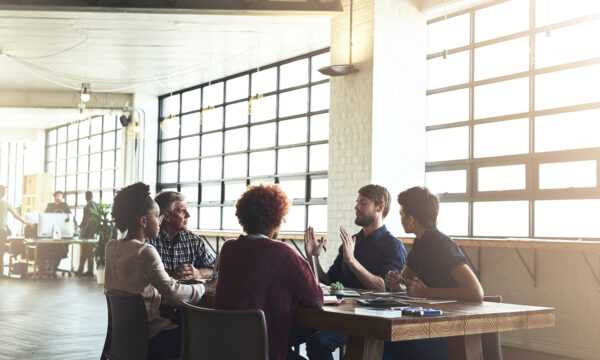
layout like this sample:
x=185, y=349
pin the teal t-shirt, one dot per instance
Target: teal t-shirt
x=4, y=209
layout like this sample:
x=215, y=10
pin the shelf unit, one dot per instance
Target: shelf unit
x=37, y=192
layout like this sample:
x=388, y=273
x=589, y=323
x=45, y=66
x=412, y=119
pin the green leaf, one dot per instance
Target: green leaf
x=102, y=224
x=337, y=286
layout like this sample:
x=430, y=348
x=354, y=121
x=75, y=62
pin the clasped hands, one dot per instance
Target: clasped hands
x=185, y=271
x=414, y=287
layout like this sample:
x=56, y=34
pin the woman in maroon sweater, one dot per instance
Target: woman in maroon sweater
x=258, y=272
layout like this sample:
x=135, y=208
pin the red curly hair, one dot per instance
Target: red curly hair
x=262, y=208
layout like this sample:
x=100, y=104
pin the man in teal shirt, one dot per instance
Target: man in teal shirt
x=5, y=208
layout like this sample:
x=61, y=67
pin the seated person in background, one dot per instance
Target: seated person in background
x=258, y=272
x=183, y=253
x=135, y=267
x=435, y=268
x=362, y=262
x=58, y=206
x=6, y=208
x=87, y=233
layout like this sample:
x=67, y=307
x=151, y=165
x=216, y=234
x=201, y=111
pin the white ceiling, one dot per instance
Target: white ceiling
x=141, y=52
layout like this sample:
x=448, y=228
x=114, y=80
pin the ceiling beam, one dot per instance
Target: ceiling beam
x=233, y=7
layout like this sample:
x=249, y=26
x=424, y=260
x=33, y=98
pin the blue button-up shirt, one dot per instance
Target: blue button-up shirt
x=188, y=248
x=379, y=253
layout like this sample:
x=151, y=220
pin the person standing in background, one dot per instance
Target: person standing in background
x=87, y=233
x=5, y=232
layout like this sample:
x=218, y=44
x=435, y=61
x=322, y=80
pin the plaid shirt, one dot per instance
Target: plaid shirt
x=188, y=249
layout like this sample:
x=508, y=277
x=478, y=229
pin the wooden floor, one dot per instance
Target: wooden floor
x=65, y=318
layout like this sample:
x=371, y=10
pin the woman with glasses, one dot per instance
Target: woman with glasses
x=132, y=266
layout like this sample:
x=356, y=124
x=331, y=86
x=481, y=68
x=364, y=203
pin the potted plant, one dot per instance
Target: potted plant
x=337, y=289
x=101, y=224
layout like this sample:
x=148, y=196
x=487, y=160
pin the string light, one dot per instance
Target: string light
x=70, y=81
x=211, y=107
x=252, y=98
x=166, y=123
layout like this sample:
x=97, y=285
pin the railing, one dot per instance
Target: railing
x=296, y=239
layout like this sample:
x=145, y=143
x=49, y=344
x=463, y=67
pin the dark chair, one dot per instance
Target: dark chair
x=490, y=342
x=49, y=258
x=223, y=335
x=127, y=332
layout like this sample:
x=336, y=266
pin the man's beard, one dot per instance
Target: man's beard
x=365, y=220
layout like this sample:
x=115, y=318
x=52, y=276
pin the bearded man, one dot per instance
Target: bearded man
x=363, y=261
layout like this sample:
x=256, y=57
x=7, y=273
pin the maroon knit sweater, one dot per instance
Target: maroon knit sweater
x=268, y=275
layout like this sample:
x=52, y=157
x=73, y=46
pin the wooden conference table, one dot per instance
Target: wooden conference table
x=462, y=323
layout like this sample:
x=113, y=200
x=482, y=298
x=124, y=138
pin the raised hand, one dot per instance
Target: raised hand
x=312, y=247
x=348, y=243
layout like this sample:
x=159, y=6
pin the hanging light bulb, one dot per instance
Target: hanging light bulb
x=85, y=92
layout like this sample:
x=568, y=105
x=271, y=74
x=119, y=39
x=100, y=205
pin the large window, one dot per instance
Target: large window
x=12, y=166
x=85, y=156
x=513, y=119
x=268, y=125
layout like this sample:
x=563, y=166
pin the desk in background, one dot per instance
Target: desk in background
x=31, y=250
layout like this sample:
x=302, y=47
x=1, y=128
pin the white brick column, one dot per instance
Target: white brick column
x=376, y=132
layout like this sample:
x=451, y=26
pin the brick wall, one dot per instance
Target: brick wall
x=350, y=121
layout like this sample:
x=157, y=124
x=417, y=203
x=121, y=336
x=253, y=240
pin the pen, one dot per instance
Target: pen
x=430, y=312
x=366, y=292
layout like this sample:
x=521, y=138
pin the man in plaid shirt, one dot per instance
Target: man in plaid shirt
x=183, y=253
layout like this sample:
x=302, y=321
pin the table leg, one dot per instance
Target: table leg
x=35, y=258
x=26, y=261
x=466, y=347
x=360, y=348
x=10, y=251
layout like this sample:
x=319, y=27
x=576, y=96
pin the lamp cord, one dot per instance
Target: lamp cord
x=350, y=39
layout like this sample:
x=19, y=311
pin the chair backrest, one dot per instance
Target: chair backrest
x=127, y=333
x=490, y=342
x=223, y=335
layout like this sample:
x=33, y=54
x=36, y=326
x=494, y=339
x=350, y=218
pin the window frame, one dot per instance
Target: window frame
x=531, y=159
x=104, y=192
x=305, y=175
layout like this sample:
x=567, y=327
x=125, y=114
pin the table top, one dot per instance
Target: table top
x=34, y=241
x=458, y=319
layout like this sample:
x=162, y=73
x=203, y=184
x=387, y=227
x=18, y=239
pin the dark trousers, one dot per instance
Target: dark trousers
x=424, y=349
x=320, y=344
x=167, y=343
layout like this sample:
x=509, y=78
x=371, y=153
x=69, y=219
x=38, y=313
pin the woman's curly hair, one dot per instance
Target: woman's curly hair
x=131, y=203
x=262, y=208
